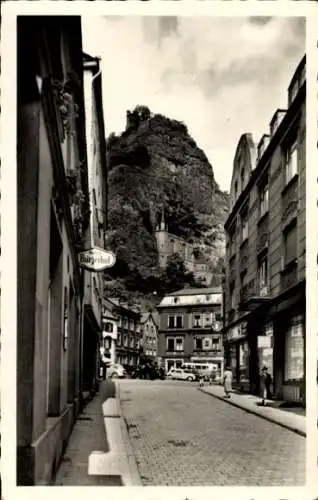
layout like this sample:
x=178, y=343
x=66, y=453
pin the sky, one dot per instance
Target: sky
x=221, y=76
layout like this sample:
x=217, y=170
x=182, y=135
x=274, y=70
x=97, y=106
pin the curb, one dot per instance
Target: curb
x=265, y=417
x=134, y=472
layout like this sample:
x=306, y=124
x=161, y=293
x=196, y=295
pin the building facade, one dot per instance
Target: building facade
x=52, y=221
x=109, y=338
x=149, y=335
x=95, y=235
x=190, y=327
x=128, y=337
x=264, y=292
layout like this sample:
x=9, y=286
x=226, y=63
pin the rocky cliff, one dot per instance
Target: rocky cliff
x=156, y=168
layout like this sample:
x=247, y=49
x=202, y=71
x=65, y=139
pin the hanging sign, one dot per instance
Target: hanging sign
x=96, y=259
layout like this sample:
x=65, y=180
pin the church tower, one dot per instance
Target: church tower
x=161, y=235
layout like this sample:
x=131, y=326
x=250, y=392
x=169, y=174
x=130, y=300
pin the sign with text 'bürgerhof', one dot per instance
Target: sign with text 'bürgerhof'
x=96, y=259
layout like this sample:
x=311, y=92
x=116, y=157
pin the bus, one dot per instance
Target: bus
x=204, y=369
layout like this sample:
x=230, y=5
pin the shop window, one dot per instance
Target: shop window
x=263, y=194
x=291, y=160
x=294, y=350
x=198, y=343
x=290, y=244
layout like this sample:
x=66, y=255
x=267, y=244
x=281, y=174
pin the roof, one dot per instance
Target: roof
x=196, y=291
x=193, y=297
x=146, y=316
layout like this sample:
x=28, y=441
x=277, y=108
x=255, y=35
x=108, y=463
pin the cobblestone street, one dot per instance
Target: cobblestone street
x=182, y=437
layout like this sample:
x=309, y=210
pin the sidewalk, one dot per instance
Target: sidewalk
x=293, y=419
x=96, y=454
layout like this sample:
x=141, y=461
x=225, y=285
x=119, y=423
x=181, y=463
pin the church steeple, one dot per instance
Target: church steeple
x=163, y=223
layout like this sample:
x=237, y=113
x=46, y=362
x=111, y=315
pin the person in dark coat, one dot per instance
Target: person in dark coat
x=265, y=385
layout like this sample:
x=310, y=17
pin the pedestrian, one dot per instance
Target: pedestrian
x=201, y=379
x=265, y=385
x=227, y=382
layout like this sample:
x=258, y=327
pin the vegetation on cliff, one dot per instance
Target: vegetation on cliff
x=155, y=169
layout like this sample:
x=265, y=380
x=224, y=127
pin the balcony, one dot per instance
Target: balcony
x=244, y=258
x=289, y=275
x=290, y=202
x=252, y=296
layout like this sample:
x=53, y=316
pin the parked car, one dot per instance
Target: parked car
x=179, y=374
x=115, y=371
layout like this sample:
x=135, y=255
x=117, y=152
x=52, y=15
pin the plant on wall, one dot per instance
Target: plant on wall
x=78, y=201
x=64, y=91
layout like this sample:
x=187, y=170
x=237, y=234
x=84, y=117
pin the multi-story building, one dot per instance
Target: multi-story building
x=149, y=335
x=264, y=294
x=190, y=327
x=128, y=331
x=52, y=221
x=109, y=337
x=95, y=235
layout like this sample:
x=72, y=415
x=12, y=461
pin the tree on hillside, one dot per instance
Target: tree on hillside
x=176, y=275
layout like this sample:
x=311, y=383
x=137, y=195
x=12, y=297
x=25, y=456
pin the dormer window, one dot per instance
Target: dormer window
x=242, y=178
x=276, y=120
x=235, y=191
x=263, y=143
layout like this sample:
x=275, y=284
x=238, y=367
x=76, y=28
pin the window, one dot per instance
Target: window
x=174, y=344
x=198, y=343
x=208, y=319
x=263, y=200
x=175, y=321
x=197, y=321
x=125, y=340
x=206, y=343
x=291, y=162
x=125, y=322
x=108, y=327
x=119, y=339
x=244, y=226
x=263, y=274
x=290, y=244
x=294, y=350
x=215, y=343
x=179, y=321
x=218, y=316
x=179, y=344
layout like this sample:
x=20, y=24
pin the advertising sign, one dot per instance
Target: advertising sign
x=96, y=259
x=264, y=341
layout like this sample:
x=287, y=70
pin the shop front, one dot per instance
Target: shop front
x=289, y=365
x=237, y=354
